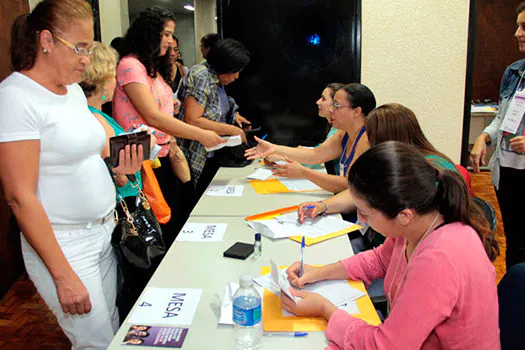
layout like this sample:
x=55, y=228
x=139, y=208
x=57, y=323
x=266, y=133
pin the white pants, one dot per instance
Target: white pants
x=89, y=252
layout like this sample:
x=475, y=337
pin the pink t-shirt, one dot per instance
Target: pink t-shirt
x=447, y=300
x=131, y=70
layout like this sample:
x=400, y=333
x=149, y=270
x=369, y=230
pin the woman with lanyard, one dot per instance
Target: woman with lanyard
x=350, y=106
x=508, y=162
x=436, y=260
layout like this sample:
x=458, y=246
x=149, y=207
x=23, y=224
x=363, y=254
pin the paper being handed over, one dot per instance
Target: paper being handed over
x=231, y=141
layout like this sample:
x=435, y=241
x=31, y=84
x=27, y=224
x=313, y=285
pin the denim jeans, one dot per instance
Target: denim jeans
x=89, y=252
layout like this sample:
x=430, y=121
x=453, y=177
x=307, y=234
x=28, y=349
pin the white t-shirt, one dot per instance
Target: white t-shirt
x=74, y=185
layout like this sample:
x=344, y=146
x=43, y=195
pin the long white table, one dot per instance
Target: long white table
x=251, y=202
x=201, y=265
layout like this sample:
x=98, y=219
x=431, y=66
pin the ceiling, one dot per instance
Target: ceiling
x=175, y=6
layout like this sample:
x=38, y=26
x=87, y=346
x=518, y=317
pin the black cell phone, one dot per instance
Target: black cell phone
x=239, y=250
x=116, y=143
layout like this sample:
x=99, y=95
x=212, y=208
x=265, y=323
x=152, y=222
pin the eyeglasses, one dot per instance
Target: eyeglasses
x=80, y=51
x=336, y=105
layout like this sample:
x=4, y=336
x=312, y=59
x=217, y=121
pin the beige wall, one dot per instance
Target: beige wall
x=204, y=15
x=414, y=52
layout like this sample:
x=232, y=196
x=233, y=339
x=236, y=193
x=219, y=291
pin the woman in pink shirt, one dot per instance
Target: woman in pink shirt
x=439, y=281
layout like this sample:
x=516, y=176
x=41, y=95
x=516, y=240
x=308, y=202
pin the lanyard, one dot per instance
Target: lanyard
x=345, y=161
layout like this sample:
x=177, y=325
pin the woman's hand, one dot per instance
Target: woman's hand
x=479, y=152
x=130, y=160
x=238, y=131
x=291, y=169
x=263, y=149
x=310, y=210
x=240, y=120
x=176, y=106
x=310, y=304
x=517, y=144
x=310, y=274
x=210, y=138
x=73, y=295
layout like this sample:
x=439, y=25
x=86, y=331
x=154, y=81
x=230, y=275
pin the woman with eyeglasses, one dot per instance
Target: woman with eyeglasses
x=53, y=175
x=350, y=106
x=143, y=97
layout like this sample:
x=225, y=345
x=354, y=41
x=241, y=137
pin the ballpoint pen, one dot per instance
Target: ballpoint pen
x=264, y=137
x=286, y=334
x=301, y=270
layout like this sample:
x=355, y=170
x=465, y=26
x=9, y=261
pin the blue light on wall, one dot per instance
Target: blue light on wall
x=314, y=40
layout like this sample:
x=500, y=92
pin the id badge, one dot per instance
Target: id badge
x=514, y=114
x=342, y=169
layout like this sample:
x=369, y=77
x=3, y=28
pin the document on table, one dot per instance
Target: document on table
x=166, y=306
x=200, y=232
x=299, y=185
x=287, y=225
x=260, y=174
x=227, y=301
x=225, y=191
x=231, y=141
x=338, y=292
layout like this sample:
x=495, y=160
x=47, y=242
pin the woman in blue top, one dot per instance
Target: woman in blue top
x=350, y=106
x=389, y=122
x=508, y=161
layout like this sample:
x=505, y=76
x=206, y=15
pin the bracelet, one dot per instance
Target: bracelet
x=325, y=211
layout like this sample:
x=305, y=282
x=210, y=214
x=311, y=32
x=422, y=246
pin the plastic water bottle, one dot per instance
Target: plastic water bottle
x=247, y=316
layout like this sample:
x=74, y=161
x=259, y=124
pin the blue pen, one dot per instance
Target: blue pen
x=301, y=270
x=264, y=137
x=287, y=334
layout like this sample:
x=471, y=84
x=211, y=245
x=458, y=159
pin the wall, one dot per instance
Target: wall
x=414, y=52
x=10, y=253
x=185, y=32
x=114, y=19
x=205, y=13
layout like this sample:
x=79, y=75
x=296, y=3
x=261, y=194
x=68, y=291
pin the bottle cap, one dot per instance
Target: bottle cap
x=257, y=236
x=246, y=281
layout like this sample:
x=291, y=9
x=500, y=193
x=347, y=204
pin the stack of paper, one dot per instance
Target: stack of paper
x=287, y=225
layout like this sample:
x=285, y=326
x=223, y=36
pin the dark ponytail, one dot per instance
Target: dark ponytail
x=23, y=44
x=456, y=205
x=393, y=176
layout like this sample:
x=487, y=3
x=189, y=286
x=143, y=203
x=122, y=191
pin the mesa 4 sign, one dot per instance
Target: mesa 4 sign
x=166, y=306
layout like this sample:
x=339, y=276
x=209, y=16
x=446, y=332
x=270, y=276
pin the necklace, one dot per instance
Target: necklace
x=389, y=301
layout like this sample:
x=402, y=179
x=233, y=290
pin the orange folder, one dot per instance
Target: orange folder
x=272, y=186
x=308, y=240
x=274, y=321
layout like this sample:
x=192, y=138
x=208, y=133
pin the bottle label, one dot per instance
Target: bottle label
x=247, y=317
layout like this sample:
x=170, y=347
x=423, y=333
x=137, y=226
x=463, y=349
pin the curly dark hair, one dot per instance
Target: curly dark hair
x=143, y=40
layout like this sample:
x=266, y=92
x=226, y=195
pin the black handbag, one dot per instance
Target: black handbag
x=233, y=157
x=137, y=237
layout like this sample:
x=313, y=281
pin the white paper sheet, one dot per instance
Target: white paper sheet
x=299, y=184
x=231, y=141
x=166, y=306
x=201, y=232
x=225, y=191
x=260, y=174
x=287, y=225
x=227, y=302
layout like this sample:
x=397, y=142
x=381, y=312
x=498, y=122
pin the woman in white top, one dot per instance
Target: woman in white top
x=54, y=178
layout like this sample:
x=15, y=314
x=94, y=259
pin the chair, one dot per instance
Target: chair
x=488, y=210
x=511, y=297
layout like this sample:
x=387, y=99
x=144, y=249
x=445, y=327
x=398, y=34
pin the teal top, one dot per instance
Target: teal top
x=127, y=190
x=331, y=133
x=440, y=162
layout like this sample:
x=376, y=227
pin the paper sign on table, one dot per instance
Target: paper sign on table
x=162, y=337
x=166, y=306
x=200, y=232
x=231, y=141
x=225, y=191
x=260, y=174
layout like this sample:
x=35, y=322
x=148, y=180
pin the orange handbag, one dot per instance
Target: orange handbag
x=151, y=188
